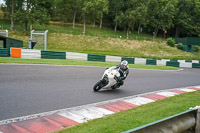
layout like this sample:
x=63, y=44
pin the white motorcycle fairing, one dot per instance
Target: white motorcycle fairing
x=111, y=72
x=108, y=79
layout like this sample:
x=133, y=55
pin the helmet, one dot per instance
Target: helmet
x=124, y=64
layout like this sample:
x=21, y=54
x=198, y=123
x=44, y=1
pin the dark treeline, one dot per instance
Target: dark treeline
x=179, y=17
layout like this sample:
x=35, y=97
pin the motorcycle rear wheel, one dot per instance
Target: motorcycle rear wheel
x=98, y=86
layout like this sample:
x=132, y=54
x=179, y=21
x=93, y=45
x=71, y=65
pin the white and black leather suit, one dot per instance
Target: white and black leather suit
x=123, y=74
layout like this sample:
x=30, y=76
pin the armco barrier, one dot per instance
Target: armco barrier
x=186, y=121
x=37, y=54
x=4, y=52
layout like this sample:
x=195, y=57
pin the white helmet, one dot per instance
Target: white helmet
x=124, y=64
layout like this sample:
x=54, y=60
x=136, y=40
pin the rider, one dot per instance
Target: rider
x=124, y=71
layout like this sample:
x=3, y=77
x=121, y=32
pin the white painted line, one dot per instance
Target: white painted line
x=87, y=113
x=187, y=90
x=1, y=132
x=139, y=100
x=101, y=110
x=72, y=116
x=167, y=93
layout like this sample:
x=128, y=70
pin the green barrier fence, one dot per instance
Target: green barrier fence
x=195, y=65
x=92, y=57
x=151, y=62
x=130, y=60
x=53, y=55
x=188, y=61
x=172, y=63
x=4, y=52
x=174, y=60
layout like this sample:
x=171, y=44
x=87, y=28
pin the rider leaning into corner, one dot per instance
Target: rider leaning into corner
x=116, y=73
x=124, y=71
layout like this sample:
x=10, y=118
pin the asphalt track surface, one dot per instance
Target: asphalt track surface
x=32, y=89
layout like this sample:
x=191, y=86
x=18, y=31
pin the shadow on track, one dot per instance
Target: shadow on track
x=111, y=91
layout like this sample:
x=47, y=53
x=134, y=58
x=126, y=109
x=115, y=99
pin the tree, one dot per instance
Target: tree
x=187, y=17
x=161, y=14
x=49, y=5
x=93, y=9
x=31, y=12
x=127, y=21
x=75, y=6
x=141, y=13
x=177, y=16
x=197, y=18
x=135, y=13
x=101, y=8
x=115, y=9
x=11, y=6
x=88, y=12
x=12, y=21
x=182, y=16
x=67, y=10
x=63, y=10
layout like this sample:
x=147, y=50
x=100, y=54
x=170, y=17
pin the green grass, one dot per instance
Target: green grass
x=138, y=116
x=62, y=37
x=59, y=27
x=77, y=62
x=110, y=46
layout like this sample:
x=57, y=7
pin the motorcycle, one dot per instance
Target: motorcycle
x=109, y=79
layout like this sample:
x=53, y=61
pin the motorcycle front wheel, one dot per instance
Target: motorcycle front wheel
x=98, y=86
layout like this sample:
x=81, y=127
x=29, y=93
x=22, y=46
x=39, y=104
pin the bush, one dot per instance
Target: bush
x=179, y=46
x=170, y=42
x=196, y=48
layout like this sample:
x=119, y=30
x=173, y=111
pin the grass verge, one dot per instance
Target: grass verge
x=108, y=46
x=105, y=41
x=138, y=116
x=78, y=62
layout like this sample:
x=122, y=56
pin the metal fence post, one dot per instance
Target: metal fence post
x=45, y=40
x=6, y=33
